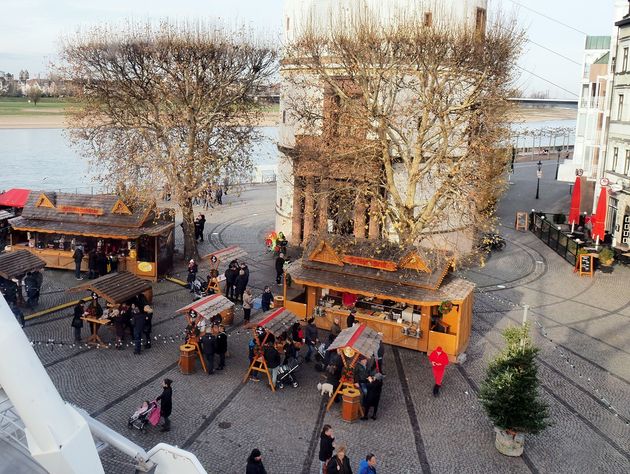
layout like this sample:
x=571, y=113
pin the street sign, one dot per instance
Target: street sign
x=579, y=172
x=604, y=182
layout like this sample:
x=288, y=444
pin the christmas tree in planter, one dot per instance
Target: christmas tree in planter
x=509, y=393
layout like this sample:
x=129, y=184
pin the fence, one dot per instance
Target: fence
x=547, y=228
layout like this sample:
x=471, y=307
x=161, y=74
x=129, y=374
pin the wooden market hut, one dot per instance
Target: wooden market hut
x=352, y=343
x=274, y=322
x=117, y=288
x=53, y=224
x=406, y=293
x=210, y=306
x=15, y=266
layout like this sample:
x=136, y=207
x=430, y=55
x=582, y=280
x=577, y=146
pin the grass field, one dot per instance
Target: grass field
x=20, y=106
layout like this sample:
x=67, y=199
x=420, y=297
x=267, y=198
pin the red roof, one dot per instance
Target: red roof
x=15, y=197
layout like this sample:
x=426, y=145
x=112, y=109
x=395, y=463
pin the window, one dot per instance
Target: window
x=624, y=64
x=480, y=22
x=626, y=165
x=615, y=158
x=428, y=19
x=620, y=108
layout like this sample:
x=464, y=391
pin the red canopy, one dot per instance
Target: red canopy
x=14, y=197
x=600, y=216
x=574, y=213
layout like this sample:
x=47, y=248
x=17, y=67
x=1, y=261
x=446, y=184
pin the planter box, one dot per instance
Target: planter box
x=606, y=268
x=509, y=444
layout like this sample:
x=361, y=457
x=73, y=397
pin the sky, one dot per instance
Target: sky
x=30, y=30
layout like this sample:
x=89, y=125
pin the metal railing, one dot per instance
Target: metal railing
x=546, y=228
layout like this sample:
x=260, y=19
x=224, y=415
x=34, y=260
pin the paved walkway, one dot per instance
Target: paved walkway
x=581, y=326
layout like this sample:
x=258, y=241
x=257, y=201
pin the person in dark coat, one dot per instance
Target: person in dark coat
x=350, y=319
x=92, y=264
x=192, y=273
x=77, y=322
x=254, y=463
x=310, y=334
x=230, y=281
x=118, y=320
x=101, y=263
x=340, y=463
x=202, y=225
x=243, y=266
x=209, y=348
x=373, y=396
x=266, y=299
x=148, y=325
x=279, y=268
x=17, y=312
x=326, y=447
x=138, y=327
x=166, y=403
x=221, y=347
x=272, y=357
x=77, y=256
x=219, y=195
x=32, y=285
x=240, y=285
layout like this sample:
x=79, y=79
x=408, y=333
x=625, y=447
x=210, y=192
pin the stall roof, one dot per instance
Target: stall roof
x=6, y=215
x=18, y=263
x=88, y=229
x=359, y=337
x=15, y=197
x=208, y=306
x=116, y=288
x=452, y=288
x=276, y=321
x=227, y=254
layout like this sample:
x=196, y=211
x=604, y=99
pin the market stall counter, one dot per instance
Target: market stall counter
x=405, y=293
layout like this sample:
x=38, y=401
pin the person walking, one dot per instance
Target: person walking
x=266, y=299
x=219, y=195
x=166, y=404
x=221, y=346
x=248, y=302
x=77, y=322
x=202, y=225
x=279, y=268
x=439, y=361
x=77, y=256
x=209, y=347
x=192, y=273
x=340, y=463
x=254, y=463
x=137, y=318
x=372, y=398
x=240, y=285
x=368, y=465
x=311, y=336
x=148, y=325
x=326, y=447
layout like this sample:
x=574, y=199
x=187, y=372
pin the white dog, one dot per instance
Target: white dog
x=325, y=388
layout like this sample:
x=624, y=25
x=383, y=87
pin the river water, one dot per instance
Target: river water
x=42, y=159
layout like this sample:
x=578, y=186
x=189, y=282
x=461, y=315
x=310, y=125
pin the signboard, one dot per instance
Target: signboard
x=604, y=182
x=539, y=174
x=92, y=211
x=522, y=220
x=585, y=264
x=370, y=263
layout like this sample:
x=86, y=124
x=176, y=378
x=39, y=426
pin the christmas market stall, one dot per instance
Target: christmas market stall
x=14, y=267
x=269, y=325
x=118, y=288
x=352, y=343
x=200, y=316
x=138, y=239
x=406, y=293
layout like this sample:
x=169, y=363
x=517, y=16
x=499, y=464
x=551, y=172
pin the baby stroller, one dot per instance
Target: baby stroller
x=321, y=357
x=286, y=373
x=147, y=413
x=198, y=289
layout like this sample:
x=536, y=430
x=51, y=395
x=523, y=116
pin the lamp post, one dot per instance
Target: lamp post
x=558, y=159
x=538, y=176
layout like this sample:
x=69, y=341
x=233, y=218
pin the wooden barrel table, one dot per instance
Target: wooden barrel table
x=187, y=359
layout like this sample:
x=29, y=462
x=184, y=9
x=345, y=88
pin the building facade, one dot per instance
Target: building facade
x=312, y=198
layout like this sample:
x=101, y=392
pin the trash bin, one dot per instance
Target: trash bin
x=351, y=406
x=187, y=358
x=278, y=301
x=227, y=317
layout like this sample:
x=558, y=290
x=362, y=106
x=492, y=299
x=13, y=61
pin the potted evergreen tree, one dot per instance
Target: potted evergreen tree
x=606, y=260
x=509, y=394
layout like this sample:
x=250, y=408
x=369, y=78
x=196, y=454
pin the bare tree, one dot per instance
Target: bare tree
x=417, y=113
x=34, y=93
x=166, y=105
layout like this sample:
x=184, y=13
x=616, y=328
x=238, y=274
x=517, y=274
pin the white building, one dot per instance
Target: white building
x=300, y=210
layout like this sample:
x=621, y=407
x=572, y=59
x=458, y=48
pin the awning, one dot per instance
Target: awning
x=17, y=264
x=574, y=213
x=359, y=338
x=276, y=321
x=88, y=230
x=599, y=225
x=15, y=197
x=208, y=306
x=115, y=288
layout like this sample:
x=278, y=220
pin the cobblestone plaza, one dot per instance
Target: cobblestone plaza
x=580, y=324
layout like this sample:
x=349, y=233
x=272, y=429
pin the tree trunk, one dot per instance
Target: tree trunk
x=190, y=244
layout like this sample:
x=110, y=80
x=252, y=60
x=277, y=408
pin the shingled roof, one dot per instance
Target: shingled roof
x=17, y=264
x=276, y=321
x=116, y=288
x=88, y=229
x=359, y=337
x=208, y=306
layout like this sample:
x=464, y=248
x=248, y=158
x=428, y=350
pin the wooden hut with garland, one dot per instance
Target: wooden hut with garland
x=407, y=294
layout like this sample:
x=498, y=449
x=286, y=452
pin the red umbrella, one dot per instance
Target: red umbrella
x=600, y=216
x=574, y=213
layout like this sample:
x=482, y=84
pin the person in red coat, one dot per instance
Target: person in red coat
x=439, y=361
